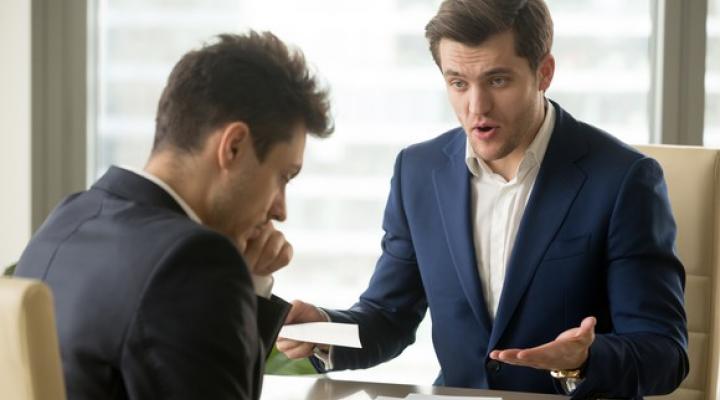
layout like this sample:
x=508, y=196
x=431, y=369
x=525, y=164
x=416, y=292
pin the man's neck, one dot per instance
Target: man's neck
x=507, y=166
x=183, y=175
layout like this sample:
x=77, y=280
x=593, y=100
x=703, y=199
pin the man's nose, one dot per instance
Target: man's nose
x=278, y=211
x=480, y=101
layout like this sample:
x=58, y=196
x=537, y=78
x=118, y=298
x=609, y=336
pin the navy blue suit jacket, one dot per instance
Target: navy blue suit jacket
x=596, y=239
x=148, y=303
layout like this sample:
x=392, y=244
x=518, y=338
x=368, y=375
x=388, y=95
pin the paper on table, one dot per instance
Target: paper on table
x=358, y=396
x=415, y=396
x=388, y=398
x=332, y=333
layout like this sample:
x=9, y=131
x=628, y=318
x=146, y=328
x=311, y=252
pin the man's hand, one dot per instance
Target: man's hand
x=300, y=313
x=266, y=250
x=569, y=351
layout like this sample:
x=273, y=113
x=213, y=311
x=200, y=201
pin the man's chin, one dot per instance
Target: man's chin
x=487, y=153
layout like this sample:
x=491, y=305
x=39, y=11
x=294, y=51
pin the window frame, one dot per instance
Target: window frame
x=678, y=92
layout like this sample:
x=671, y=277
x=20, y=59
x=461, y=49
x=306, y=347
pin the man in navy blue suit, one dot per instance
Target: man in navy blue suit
x=161, y=276
x=542, y=245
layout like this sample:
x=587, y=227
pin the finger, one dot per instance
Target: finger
x=268, y=260
x=255, y=246
x=513, y=357
x=543, y=354
x=295, y=311
x=558, y=354
x=286, y=254
x=583, y=332
x=303, y=312
x=508, y=355
x=284, y=345
x=586, y=331
x=282, y=259
x=588, y=325
x=292, y=347
x=302, y=351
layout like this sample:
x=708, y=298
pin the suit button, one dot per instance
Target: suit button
x=493, y=366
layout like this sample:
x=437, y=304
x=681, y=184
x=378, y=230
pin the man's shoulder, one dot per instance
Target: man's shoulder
x=92, y=226
x=161, y=232
x=124, y=217
x=438, y=148
x=597, y=144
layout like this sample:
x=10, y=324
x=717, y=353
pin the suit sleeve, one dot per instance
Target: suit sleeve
x=391, y=308
x=271, y=317
x=646, y=352
x=195, y=333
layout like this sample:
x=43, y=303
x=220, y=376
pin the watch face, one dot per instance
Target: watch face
x=566, y=373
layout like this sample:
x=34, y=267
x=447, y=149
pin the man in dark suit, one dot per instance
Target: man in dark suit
x=153, y=297
x=542, y=245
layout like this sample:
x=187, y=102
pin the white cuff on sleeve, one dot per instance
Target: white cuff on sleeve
x=324, y=356
x=263, y=285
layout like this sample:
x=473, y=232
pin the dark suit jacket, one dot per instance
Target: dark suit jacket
x=149, y=304
x=596, y=238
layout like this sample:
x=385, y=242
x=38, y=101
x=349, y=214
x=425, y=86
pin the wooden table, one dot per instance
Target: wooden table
x=321, y=388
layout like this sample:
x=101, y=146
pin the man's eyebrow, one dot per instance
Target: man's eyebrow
x=498, y=71
x=452, y=72
x=494, y=71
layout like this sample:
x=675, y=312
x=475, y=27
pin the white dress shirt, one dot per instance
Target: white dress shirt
x=263, y=284
x=497, y=207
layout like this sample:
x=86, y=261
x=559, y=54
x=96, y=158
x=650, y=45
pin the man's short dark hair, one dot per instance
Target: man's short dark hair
x=471, y=22
x=252, y=78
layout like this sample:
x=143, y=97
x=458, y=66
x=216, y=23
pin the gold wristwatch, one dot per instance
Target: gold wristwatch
x=569, y=379
x=566, y=373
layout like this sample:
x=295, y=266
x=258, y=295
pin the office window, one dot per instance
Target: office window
x=712, y=76
x=602, y=49
x=387, y=94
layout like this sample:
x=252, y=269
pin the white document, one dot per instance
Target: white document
x=332, y=333
x=358, y=396
x=388, y=398
x=415, y=396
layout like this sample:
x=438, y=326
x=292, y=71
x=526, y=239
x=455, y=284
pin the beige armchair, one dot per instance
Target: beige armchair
x=30, y=366
x=693, y=179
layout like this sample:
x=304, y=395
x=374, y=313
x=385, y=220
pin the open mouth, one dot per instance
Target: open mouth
x=484, y=131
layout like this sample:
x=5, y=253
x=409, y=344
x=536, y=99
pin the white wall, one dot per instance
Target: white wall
x=14, y=128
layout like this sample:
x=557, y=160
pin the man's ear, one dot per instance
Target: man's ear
x=545, y=72
x=234, y=143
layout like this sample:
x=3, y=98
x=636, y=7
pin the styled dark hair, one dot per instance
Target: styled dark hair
x=471, y=22
x=252, y=78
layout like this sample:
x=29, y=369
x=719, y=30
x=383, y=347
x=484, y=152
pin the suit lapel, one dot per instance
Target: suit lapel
x=558, y=183
x=452, y=190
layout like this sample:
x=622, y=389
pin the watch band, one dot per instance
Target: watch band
x=566, y=373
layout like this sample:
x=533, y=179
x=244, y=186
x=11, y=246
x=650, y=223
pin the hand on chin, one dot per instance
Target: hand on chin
x=265, y=249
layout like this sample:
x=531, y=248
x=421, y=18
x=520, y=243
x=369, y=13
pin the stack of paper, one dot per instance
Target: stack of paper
x=331, y=333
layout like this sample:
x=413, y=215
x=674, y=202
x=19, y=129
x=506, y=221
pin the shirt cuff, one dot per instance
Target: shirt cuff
x=263, y=285
x=570, y=384
x=324, y=314
x=325, y=357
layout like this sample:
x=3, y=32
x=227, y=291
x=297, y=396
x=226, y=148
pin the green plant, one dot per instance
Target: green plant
x=9, y=271
x=278, y=364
